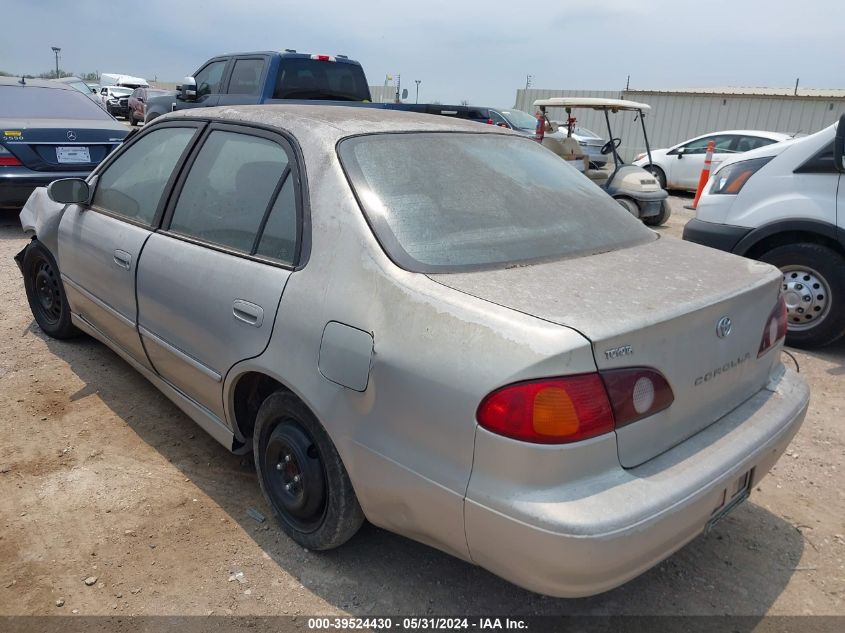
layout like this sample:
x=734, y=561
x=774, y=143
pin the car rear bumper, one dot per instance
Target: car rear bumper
x=597, y=532
x=724, y=237
x=18, y=182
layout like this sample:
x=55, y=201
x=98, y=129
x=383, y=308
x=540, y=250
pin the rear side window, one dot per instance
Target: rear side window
x=280, y=236
x=747, y=143
x=301, y=78
x=246, y=77
x=229, y=190
x=133, y=184
x=446, y=202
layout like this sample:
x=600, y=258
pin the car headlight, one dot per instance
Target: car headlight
x=730, y=179
x=639, y=156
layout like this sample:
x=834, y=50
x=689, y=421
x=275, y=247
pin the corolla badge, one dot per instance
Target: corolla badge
x=723, y=327
x=71, y=135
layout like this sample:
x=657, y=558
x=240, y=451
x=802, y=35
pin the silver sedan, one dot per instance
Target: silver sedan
x=437, y=326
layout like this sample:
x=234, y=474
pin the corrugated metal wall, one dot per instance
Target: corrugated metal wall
x=675, y=117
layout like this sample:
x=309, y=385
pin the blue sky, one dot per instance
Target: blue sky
x=480, y=52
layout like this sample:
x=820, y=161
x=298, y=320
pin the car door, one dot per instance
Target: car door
x=100, y=244
x=210, y=282
x=245, y=81
x=687, y=161
x=209, y=80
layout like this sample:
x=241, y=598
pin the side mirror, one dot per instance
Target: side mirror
x=141, y=99
x=681, y=151
x=839, y=145
x=188, y=89
x=68, y=191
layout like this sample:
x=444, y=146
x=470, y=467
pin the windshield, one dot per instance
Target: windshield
x=520, y=119
x=301, y=78
x=121, y=92
x=447, y=202
x=20, y=102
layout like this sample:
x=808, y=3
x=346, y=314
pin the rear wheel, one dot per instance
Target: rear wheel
x=658, y=173
x=46, y=293
x=302, y=476
x=814, y=291
x=660, y=218
x=131, y=118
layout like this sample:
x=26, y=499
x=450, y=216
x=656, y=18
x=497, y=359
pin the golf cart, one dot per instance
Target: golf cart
x=633, y=187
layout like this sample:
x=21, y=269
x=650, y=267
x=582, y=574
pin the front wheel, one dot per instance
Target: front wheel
x=660, y=218
x=814, y=292
x=131, y=118
x=302, y=476
x=630, y=206
x=658, y=174
x=46, y=293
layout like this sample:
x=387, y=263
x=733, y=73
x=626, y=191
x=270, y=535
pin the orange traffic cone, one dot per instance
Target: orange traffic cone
x=705, y=173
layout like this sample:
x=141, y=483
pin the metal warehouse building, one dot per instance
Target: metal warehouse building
x=677, y=115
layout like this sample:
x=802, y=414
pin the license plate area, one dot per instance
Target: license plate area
x=736, y=492
x=73, y=154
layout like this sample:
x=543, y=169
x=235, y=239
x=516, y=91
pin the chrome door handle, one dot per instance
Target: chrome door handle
x=123, y=259
x=247, y=312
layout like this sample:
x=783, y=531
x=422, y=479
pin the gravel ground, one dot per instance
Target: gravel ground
x=113, y=502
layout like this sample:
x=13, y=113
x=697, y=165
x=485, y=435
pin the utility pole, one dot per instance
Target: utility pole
x=529, y=81
x=628, y=84
x=417, y=81
x=56, y=50
x=796, y=85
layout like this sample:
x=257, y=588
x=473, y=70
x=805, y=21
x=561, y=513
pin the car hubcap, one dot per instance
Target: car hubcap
x=294, y=476
x=47, y=292
x=807, y=297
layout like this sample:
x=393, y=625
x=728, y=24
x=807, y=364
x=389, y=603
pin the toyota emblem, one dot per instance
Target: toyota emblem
x=723, y=327
x=71, y=135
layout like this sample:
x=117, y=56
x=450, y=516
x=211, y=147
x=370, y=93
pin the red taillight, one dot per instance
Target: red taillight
x=574, y=408
x=636, y=393
x=7, y=160
x=549, y=411
x=323, y=58
x=775, y=328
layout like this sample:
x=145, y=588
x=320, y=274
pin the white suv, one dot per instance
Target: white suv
x=785, y=204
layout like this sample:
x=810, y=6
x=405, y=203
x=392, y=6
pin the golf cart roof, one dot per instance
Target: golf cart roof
x=593, y=103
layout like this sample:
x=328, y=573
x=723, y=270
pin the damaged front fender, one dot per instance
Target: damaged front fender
x=40, y=217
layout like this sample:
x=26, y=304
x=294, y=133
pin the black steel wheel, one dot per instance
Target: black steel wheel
x=45, y=292
x=302, y=476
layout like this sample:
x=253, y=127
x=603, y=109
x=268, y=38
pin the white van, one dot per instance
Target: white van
x=785, y=204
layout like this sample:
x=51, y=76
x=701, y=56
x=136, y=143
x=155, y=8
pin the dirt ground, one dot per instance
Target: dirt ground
x=101, y=478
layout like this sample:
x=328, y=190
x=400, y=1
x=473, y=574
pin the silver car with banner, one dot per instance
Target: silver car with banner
x=434, y=325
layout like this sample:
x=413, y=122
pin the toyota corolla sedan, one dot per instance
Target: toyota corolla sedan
x=49, y=130
x=434, y=325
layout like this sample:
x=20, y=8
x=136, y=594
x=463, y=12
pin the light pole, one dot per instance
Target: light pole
x=417, y=81
x=56, y=50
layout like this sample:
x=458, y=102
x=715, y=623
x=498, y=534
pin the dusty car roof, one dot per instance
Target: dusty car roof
x=35, y=83
x=335, y=121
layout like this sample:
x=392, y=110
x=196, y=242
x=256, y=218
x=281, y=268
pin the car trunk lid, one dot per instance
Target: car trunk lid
x=53, y=145
x=654, y=305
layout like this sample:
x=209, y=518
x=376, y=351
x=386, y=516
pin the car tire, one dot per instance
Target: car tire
x=302, y=476
x=131, y=119
x=658, y=173
x=815, y=318
x=630, y=206
x=660, y=218
x=46, y=293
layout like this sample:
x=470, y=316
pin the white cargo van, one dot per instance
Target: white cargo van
x=785, y=204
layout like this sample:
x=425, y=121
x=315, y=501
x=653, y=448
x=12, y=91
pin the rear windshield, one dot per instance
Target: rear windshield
x=301, y=78
x=20, y=102
x=449, y=202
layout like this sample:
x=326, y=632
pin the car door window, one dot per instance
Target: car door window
x=246, y=77
x=208, y=79
x=498, y=119
x=133, y=184
x=747, y=143
x=699, y=146
x=280, y=236
x=229, y=189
